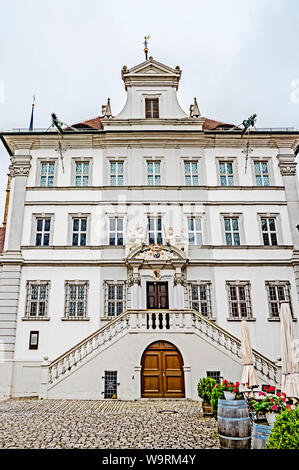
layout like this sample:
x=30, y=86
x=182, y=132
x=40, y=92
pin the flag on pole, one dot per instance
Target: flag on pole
x=32, y=111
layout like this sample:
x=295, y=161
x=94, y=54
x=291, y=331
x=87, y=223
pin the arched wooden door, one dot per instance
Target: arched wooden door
x=162, y=373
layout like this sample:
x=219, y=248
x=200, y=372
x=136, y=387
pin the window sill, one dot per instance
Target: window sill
x=278, y=319
x=35, y=318
x=240, y=319
x=75, y=319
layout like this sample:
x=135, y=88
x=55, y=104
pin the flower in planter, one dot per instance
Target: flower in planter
x=269, y=402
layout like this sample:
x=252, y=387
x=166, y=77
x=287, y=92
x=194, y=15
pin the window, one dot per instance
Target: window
x=214, y=374
x=81, y=173
x=153, y=173
x=152, y=108
x=195, y=231
x=116, y=231
x=239, y=299
x=43, y=229
x=261, y=171
x=79, y=231
x=116, y=173
x=76, y=299
x=226, y=173
x=155, y=231
x=278, y=292
x=268, y=225
x=47, y=173
x=110, y=384
x=232, y=232
x=191, y=173
x=115, y=295
x=33, y=339
x=37, y=299
x=200, y=298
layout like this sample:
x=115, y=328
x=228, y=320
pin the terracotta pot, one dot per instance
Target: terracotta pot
x=207, y=408
x=229, y=395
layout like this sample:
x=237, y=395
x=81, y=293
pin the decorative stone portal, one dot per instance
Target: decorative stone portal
x=162, y=373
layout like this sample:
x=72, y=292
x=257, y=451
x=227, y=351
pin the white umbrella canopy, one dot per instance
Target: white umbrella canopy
x=289, y=361
x=249, y=378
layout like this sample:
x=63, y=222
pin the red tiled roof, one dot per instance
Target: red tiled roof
x=210, y=125
x=2, y=238
x=96, y=123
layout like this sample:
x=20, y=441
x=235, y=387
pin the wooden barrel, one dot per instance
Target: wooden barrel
x=234, y=426
x=260, y=435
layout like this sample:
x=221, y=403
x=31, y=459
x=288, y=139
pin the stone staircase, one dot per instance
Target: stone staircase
x=135, y=321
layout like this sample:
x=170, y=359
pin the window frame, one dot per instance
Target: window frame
x=275, y=217
x=81, y=160
x=154, y=175
x=152, y=111
x=34, y=231
x=117, y=162
x=116, y=300
x=240, y=232
x=195, y=232
x=67, y=300
x=28, y=303
x=155, y=231
x=191, y=161
x=48, y=161
x=116, y=231
x=247, y=300
x=261, y=160
x=286, y=285
x=208, y=301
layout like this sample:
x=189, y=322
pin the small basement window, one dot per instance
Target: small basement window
x=110, y=384
x=152, y=108
x=214, y=374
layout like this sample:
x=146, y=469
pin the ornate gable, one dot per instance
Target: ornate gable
x=152, y=73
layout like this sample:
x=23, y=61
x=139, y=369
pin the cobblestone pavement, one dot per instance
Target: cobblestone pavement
x=110, y=424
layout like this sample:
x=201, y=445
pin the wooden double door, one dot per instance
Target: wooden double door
x=162, y=372
x=157, y=295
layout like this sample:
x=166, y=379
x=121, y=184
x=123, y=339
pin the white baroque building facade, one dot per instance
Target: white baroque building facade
x=136, y=244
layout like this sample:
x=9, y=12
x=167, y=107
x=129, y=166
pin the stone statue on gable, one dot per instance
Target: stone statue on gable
x=135, y=239
x=178, y=241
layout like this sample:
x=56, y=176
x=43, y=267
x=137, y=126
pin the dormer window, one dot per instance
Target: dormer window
x=152, y=108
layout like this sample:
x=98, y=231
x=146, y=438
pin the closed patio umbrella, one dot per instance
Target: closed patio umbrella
x=289, y=360
x=249, y=378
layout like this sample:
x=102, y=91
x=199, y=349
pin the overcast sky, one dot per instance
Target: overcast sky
x=237, y=58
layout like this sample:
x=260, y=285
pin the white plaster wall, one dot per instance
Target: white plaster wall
x=169, y=107
x=264, y=334
x=126, y=353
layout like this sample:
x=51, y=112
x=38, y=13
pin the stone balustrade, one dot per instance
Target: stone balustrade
x=176, y=321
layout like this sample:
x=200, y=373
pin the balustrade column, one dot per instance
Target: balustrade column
x=44, y=375
x=188, y=381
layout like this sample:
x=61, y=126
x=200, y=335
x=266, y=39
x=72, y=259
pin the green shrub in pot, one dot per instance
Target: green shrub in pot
x=285, y=431
x=205, y=388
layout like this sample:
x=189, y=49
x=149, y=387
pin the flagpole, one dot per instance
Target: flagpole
x=32, y=112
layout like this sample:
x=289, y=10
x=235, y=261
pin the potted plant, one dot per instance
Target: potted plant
x=231, y=390
x=270, y=404
x=205, y=388
x=216, y=394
